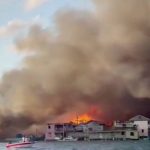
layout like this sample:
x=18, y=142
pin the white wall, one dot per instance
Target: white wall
x=50, y=132
x=133, y=136
x=123, y=124
x=95, y=127
x=142, y=127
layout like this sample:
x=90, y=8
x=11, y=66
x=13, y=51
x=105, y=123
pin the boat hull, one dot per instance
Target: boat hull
x=73, y=140
x=20, y=145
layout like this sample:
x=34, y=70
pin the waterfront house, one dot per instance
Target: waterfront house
x=95, y=130
x=138, y=126
x=60, y=130
x=50, y=132
x=143, y=125
x=90, y=126
x=124, y=125
x=139, y=122
x=127, y=129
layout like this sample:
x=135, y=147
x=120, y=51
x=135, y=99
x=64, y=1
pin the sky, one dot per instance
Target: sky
x=17, y=15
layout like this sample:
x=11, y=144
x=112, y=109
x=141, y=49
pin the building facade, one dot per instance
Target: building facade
x=91, y=126
x=143, y=125
x=50, y=132
x=137, y=127
x=58, y=130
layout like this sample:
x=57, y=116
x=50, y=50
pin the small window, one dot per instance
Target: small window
x=90, y=129
x=122, y=133
x=124, y=125
x=142, y=130
x=132, y=133
x=49, y=126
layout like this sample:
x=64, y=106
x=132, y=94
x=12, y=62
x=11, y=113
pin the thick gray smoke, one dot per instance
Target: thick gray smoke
x=98, y=58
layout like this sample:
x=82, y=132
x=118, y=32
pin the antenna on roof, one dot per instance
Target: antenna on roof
x=77, y=121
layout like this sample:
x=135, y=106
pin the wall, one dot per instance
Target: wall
x=50, y=132
x=94, y=127
x=142, y=127
x=108, y=135
x=133, y=135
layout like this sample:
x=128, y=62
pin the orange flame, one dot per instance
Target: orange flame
x=84, y=118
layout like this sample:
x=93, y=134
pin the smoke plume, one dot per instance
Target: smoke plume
x=97, y=58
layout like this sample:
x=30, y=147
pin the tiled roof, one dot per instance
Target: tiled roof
x=139, y=118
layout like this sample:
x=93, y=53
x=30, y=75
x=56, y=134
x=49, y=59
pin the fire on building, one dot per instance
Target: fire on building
x=133, y=129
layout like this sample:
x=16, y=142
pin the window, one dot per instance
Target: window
x=90, y=129
x=122, y=133
x=142, y=130
x=49, y=126
x=124, y=125
x=132, y=133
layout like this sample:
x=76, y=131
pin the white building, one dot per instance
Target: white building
x=142, y=125
x=126, y=130
x=125, y=125
x=91, y=126
x=95, y=126
x=55, y=131
x=50, y=132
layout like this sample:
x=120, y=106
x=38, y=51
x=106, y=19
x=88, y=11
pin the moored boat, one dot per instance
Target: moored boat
x=68, y=139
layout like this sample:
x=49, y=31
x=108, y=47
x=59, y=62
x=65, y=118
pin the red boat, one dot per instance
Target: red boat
x=24, y=143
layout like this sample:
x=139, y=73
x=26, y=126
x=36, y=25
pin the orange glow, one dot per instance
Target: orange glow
x=84, y=118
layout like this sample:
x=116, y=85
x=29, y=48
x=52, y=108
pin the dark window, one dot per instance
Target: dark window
x=90, y=129
x=132, y=133
x=142, y=130
x=124, y=125
x=122, y=133
x=49, y=126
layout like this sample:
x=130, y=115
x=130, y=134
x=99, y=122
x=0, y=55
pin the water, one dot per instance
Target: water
x=97, y=145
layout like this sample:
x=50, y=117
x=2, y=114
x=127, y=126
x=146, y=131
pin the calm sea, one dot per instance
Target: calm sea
x=98, y=145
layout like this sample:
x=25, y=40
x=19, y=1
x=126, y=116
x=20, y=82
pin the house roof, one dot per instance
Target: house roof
x=96, y=122
x=91, y=122
x=139, y=118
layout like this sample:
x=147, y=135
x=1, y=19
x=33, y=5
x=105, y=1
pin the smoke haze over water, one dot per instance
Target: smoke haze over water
x=98, y=58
